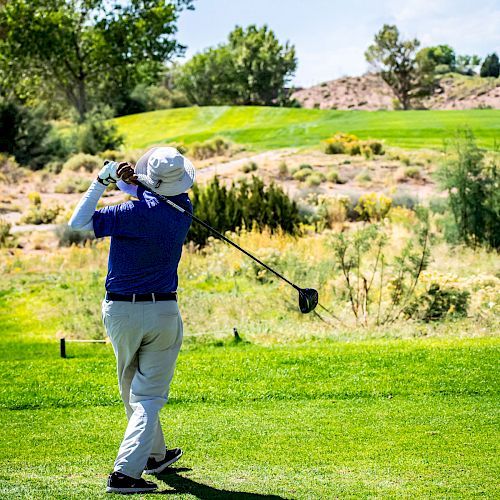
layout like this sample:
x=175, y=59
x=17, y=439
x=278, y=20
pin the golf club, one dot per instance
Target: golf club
x=308, y=297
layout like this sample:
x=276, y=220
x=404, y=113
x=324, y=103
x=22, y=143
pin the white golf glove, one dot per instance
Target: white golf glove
x=108, y=174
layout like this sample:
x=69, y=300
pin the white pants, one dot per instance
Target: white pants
x=146, y=338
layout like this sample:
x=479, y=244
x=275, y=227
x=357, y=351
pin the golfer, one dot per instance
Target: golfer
x=140, y=311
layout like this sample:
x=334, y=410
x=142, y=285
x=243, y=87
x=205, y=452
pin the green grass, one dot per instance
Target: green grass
x=389, y=418
x=263, y=128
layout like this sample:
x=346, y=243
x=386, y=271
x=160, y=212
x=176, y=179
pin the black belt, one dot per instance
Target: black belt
x=141, y=297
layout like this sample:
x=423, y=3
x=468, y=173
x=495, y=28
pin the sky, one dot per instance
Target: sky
x=330, y=36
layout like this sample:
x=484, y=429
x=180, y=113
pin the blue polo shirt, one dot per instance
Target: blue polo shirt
x=146, y=242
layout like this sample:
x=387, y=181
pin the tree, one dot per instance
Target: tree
x=466, y=64
x=86, y=51
x=438, y=59
x=395, y=59
x=252, y=68
x=491, y=66
x=473, y=192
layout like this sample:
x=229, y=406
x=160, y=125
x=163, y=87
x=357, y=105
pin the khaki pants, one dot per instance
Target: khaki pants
x=146, y=338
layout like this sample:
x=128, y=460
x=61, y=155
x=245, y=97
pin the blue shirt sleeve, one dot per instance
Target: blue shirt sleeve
x=125, y=219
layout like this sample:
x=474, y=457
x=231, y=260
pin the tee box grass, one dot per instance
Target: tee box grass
x=355, y=419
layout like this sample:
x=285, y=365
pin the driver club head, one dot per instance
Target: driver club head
x=308, y=299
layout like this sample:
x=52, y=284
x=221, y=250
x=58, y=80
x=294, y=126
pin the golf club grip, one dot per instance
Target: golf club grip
x=219, y=235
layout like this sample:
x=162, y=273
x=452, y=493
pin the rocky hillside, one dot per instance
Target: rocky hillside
x=370, y=92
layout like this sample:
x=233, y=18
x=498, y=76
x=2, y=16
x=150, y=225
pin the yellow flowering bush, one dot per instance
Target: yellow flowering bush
x=373, y=207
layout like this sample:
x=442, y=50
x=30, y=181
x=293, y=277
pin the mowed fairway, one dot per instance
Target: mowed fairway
x=263, y=128
x=384, y=418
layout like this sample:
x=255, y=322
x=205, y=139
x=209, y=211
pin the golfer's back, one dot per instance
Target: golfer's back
x=146, y=243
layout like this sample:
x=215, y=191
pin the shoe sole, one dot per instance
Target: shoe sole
x=129, y=491
x=162, y=467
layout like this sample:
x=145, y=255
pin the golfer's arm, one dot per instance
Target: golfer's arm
x=81, y=219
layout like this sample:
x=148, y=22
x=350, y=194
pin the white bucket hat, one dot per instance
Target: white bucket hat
x=165, y=171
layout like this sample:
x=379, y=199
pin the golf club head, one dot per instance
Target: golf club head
x=308, y=299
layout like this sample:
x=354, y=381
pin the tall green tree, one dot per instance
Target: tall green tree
x=253, y=67
x=396, y=61
x=473, y=186
x=438, y=59
x=490, y=66
x=86, y=51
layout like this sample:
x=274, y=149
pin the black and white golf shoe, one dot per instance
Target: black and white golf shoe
x=120, y=483
x=156, y=466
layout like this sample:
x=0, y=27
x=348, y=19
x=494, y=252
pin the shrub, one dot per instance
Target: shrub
x=379, y=285
x=208, y=149
x=413, y=173
x=245, y=204
x=438, y=303
x=314, y=179
x=331, y=211
x=34, y=198
x=342, y=143
x=402, y=216
x=67, y=236
x=10, y=171
x=72, y=185
x=333, y=176
x=367, y=152
x=283, y=170
x=6, y=239
x=376, y=147
x=405, y=160
x=26, y=135
x=54, y=167
x=438, y=205
x=334, y=148
x=354, y=149
x=364, y=177
x=82, y=161
x=38, y=213
x=405, y=200
x=249, y=167
x=373, y=207
x=302, y=174
x=97, y=135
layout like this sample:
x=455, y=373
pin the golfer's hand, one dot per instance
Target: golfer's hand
x=125, y=172
x=108, y=173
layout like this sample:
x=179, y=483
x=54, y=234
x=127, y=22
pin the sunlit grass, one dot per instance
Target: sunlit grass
x=263, y=128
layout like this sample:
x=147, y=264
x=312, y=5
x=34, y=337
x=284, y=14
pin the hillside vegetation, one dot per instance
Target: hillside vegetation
x=262, y=128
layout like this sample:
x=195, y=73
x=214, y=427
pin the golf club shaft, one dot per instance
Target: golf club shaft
x=221, y=236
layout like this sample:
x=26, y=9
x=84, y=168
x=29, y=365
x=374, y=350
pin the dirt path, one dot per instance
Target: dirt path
x=233, y=165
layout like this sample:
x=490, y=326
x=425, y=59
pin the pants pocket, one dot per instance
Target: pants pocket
x=162, y=332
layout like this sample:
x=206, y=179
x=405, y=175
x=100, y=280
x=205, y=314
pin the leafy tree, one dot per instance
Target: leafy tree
x=86, y=50
x=209, y=78
x=395, y=58
x=438, y=59
x=466, y=64
x=253, y=67
x=490, y=66
x=473, y=192
x=26, y=135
